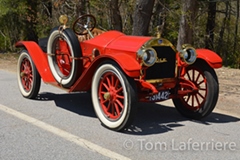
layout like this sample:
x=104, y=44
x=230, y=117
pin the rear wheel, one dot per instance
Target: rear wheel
x=201, y=103
x=64, y=50
x=113, y=97
x=29, y=80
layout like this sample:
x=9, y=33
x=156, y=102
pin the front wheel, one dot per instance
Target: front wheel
x=29, y=80
x=199, y=104
x=113, y=97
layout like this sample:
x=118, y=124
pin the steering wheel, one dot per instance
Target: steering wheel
x=84, y=24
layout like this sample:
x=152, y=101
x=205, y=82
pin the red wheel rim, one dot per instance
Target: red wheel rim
x=195, y=100
x=26, y=74
x=63, y=57
x=111, y=96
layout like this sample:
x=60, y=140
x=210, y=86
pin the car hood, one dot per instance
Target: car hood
x=127, y=43
x=115, y=41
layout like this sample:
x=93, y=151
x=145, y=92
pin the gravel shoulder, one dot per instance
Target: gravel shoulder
x=229, y=82
x=229, y=95
x=9, y=61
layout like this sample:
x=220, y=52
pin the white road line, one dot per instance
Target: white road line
x=68, y=136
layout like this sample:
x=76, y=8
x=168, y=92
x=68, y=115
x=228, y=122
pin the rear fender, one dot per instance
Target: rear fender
x=128, y=64
x=39, y=59
x=212, y=58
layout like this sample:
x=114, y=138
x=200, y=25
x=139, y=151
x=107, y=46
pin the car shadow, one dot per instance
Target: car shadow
x=150, y=118
x=79, y=103
x=154, y=118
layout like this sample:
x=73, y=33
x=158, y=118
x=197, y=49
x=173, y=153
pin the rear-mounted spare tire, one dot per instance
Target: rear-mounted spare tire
x=64, y=51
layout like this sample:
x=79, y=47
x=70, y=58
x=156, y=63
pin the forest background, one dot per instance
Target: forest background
x=212, y=24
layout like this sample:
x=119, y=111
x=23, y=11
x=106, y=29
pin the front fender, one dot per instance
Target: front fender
x=212, y=58
x=128, y=64
x=39, y=59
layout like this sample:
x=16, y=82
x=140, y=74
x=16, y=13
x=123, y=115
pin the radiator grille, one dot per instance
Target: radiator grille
x=166, y=69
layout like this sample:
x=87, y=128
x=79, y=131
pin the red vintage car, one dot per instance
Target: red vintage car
x=119, y=70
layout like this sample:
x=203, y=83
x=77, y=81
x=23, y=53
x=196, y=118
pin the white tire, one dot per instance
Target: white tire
x=29, y=80
x=63, y=49
x=113, y=97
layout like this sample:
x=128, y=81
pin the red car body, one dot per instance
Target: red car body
x=166, y=74
x=112, y=45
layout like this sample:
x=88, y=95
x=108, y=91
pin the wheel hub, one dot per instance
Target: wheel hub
x=111, y=95
x=26, y=72
x=23, y=74
x=107, y=96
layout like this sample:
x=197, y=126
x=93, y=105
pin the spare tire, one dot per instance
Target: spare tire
x=64, y=51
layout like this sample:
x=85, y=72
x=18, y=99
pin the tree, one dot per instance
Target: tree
x=30, y=20
x=82, y=7
x=159, y=18
x=187, y=22
x=116, y=19
x=209, y=41
x=212, y=24
x=236, y=27
x=142, y=16
x=14, y=16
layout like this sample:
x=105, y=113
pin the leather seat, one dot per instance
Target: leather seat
x=95, y=32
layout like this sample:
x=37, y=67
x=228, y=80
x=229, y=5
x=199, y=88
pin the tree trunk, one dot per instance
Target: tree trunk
x=186, y=28
x=228, y=48
x=81, y=8
x=142, y=16
x=159, y=18
x=31, y=21
x=87, y=5
x=222, y=30
x=116, y=19
x=236, y=29
x=209, y=41
x=236, y=37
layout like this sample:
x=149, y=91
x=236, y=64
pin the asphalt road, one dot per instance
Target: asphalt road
x=59, y=125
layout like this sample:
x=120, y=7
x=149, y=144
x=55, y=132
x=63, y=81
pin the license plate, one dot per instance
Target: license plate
x=160, y=96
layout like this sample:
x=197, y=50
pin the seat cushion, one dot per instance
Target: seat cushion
x=95, y=33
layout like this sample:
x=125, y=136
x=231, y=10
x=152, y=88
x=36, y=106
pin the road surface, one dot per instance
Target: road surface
x=59, y=125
